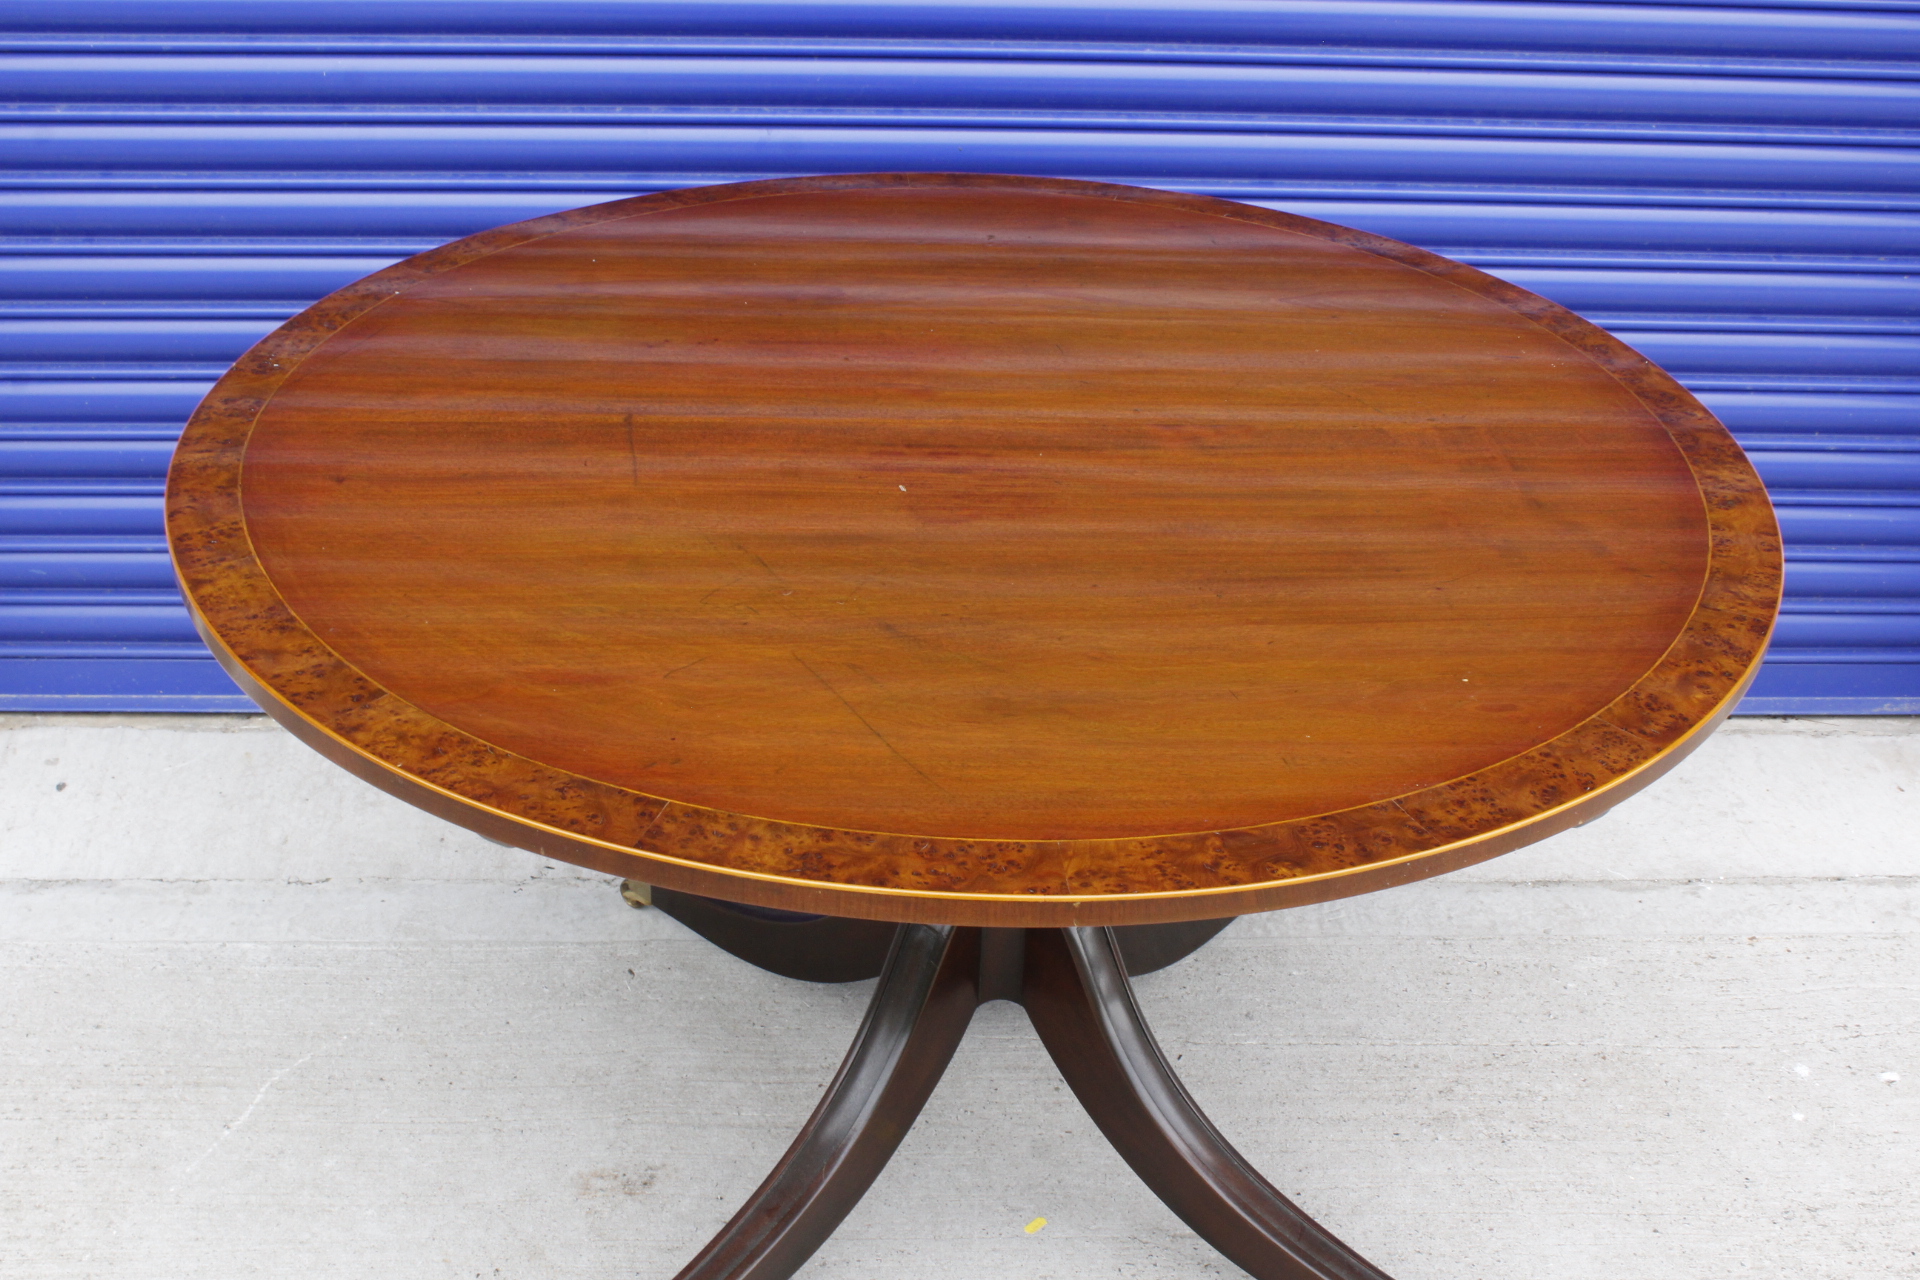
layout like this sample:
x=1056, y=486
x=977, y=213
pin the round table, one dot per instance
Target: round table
x=993, y=584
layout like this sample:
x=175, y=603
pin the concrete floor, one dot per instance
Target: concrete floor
x=258, y=1019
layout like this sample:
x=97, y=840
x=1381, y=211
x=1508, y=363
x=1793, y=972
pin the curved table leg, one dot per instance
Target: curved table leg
x=920, y=1010
x=1083, y=1007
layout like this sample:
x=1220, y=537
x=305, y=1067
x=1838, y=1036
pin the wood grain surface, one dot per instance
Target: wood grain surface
x=974, y=549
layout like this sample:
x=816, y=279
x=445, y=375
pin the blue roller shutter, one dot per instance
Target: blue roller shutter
x=1732, y=188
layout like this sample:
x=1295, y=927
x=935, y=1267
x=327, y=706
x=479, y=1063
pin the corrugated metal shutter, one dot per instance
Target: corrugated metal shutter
x=1732, y=188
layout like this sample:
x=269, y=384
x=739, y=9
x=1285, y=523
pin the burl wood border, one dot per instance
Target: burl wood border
x=355, y=722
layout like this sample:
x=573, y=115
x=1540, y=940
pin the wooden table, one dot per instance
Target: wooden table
x=993, y=584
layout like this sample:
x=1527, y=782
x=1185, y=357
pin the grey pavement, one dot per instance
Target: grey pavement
x=259, y=1019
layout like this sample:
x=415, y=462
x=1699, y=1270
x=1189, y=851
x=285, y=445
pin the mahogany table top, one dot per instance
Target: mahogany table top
x=974, y=549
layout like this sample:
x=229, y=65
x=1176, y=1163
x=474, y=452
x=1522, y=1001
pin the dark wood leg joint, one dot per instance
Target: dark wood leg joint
x=1003, y=964
x=1074, y=984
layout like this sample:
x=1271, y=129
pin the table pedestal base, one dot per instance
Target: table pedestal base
x=1074, y=986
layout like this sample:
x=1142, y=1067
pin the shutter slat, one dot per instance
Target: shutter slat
x=1845, y=31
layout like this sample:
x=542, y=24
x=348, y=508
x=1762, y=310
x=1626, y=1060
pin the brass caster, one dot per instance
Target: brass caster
x=638, y=895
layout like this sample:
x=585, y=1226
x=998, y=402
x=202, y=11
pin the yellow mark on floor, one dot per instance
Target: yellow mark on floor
x=1035, y=1225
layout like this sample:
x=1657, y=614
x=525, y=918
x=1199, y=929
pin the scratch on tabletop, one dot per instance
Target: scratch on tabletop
x=763, y=564
x=633, y=452
x=855, y=713
x=683, y=666
x=722, y=587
